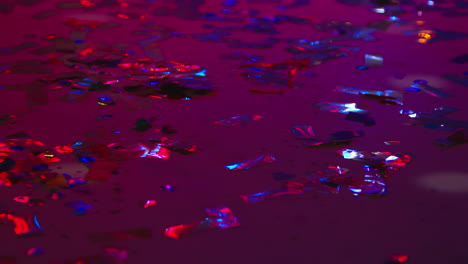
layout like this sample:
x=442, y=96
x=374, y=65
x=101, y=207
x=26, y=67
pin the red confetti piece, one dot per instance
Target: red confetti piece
x=87, y=3
x=4, y=181
x=23, y=226
x=21, y=199
x=220, y=217
x=399, y=258
x=64, y=149
x=149, y=203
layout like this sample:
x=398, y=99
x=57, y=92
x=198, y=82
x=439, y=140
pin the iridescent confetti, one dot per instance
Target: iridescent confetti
x=220, y=217
x=342, y=107
x=346, y=31
x=238, y=120
x=392, y=142
x=337, y=138
x=371, y=185
x=389, y=97
x=267, y=195
x=260, y=160
x=431, y=90
x=303, y=132
x=327, y=172
x=35, y=251
x=437, y=120
x=23, y=226
x=168, y=188
x=373, y=60
x=457, y=138
x=81, y=208
x=149, y=203
x=294, y=188
x=377, y=160
x=457, y=78
x=105, y=101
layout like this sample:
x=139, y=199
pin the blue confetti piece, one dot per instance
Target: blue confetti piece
x=168, y=188
x=87, y=159
x=77, y=144
x=412, y=89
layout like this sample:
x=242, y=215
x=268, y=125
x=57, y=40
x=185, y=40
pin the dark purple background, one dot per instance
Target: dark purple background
x=424, y=215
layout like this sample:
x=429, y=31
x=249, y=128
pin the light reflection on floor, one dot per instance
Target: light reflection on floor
x=451, y=182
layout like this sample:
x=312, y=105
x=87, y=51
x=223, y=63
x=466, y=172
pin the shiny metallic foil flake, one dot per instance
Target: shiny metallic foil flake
x=260, y=160
x=373, y=60
x=303, y=131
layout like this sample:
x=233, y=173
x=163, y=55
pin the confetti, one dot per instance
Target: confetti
x=23, y=226
x=377, y=160
x=303, y=132
x=373, y=60
x=262, y=159
x=239, y=120
x=459, y=137
x=335, y=139
x=149, y=203
x=220, y=217
x=168, y=188
x=317, y=182
x=371, y=185
x=342, y=107
x=267, y=195
x=35, y=251
x=388, y=97
x=457, y=78
x=81, y=208
x=431, y=90
x=114, y=83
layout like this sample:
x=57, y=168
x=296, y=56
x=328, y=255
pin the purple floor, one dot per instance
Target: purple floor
x=251, y=131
